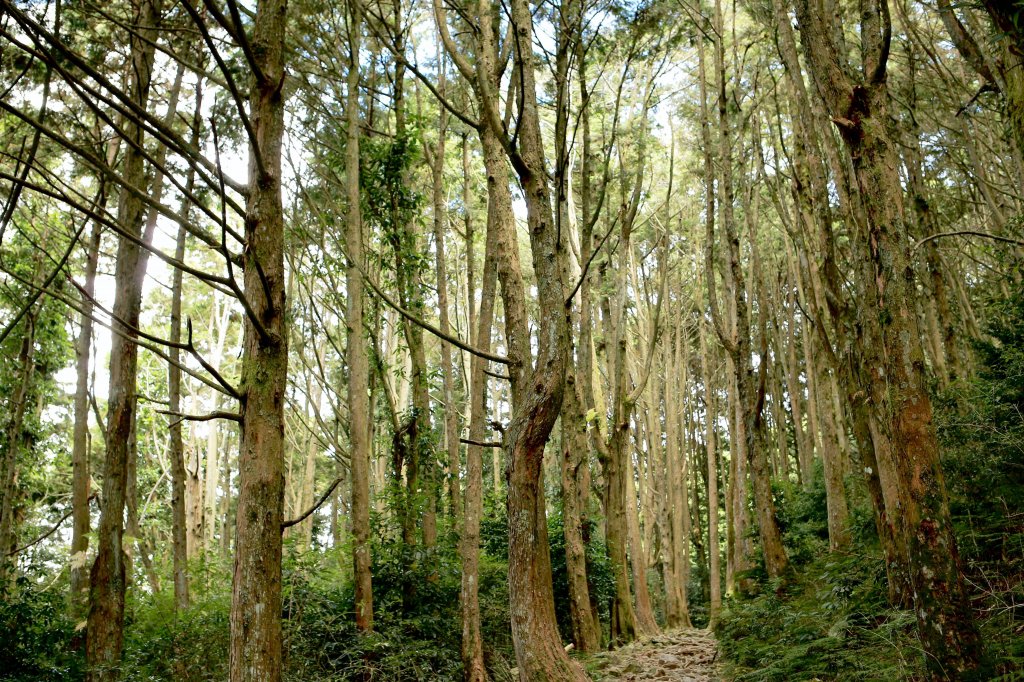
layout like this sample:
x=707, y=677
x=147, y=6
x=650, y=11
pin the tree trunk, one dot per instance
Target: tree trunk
x=714, y=553
x=80, y=438
x=537, y=396
x=499, y=208
x=575, y=450
x=358, y=359
x=105, y=628
x=13, y=438
x=256, y=589
x=912, y=484
x=676, y=488
x=451, y=419
x=176, y=452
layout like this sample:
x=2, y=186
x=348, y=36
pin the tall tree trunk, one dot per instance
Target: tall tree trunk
x=537, y=396
x=710, y=417
x=574, y=462
x=80, y=439
x=911, y=478
x=176, y=451
x=357, y=356
x=105, y=628
x=499, y=208
x=749, y=398
x=451, y=419
x=12, y=442
x=575, y=450
x=256, y=589
x=676, y=489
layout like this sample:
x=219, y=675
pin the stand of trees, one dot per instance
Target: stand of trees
x=327, y=328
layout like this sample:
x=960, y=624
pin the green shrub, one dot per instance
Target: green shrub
x=39, y=637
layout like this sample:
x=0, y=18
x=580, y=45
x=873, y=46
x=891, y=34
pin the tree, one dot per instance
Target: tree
x=904, y=437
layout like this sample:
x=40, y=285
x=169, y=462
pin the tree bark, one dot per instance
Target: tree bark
x=911, y=478
x=13, y=439
x=499, y=208
x=255, y=652
x=80, y=438
x=105, y=625
x=357, y=356
x=710, y=417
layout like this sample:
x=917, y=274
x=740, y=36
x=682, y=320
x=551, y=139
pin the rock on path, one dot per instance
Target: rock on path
x=687, y=655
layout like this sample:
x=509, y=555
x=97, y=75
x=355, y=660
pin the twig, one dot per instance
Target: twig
x=969, y=233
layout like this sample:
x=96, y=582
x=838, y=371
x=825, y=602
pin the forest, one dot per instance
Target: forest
x=536, y=340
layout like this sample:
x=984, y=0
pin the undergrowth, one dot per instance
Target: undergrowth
x=830, y=618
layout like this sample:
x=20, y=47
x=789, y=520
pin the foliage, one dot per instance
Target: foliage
x=831, y=619
x=981, y=426
x=599, y=573
x=160, y=643
x=320, y=639
x=38, y=634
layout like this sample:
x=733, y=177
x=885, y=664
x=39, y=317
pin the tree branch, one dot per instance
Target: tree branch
x=316, y=505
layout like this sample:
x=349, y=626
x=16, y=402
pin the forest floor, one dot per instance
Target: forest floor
x=686, y=655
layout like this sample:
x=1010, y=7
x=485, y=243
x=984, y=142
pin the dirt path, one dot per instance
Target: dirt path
x=679, y=656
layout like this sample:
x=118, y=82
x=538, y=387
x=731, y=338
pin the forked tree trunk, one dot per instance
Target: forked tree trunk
x=536, y=399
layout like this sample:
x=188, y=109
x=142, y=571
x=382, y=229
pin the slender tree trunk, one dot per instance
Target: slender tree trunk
x=451, y=420
x=574, y=459
x=80, y=438
x=499, y=208
x=176, y=452
x=13, y=438
x=676, y=489
x=358, y=359
x=105, y=628
x=710, y=417
x=638, y=563
x=831, y=455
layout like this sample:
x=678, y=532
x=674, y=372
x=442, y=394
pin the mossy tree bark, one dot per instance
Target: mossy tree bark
x=256, y=645
x=900, y=418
